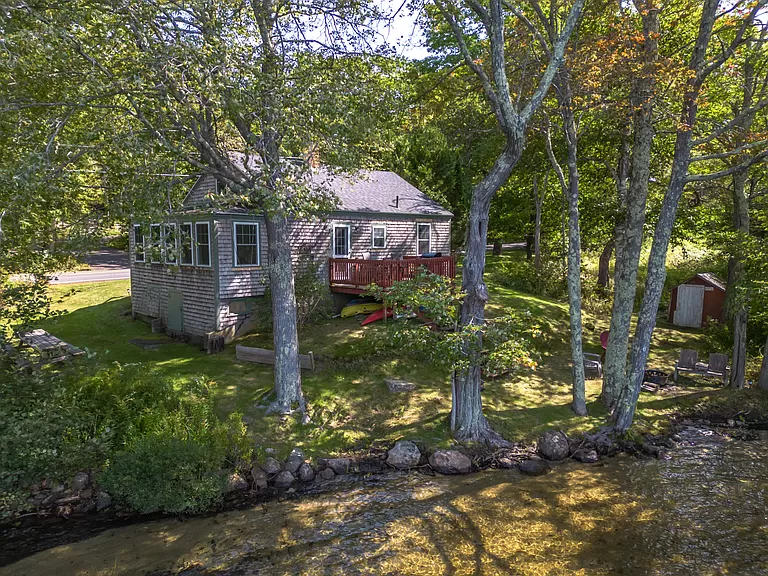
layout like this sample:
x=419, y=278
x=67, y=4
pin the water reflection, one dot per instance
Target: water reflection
x=702, y=512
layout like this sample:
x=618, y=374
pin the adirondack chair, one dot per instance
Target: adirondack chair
x=718, y=366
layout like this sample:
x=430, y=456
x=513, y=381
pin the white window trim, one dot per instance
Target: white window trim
x=151, y=243
x=429, y=227
x=143, y=244
x=191, y=243
x=165, y=228
x=210, y=257
x=349, y=240
x=373, y=227
x=258, y=244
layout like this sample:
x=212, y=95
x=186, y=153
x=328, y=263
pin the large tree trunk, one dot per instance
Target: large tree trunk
x=626, y=404
x=285, y=336
x=762, y=381
x=467, y=420
x=629, y=236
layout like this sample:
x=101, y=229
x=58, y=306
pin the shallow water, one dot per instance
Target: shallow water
x=703, y=512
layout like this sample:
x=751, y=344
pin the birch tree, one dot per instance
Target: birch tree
x=513, y=114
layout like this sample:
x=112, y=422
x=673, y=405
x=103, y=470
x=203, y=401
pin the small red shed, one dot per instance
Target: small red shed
x=696, y=300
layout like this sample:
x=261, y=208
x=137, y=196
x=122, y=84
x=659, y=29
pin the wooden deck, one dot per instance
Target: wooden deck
x=352, y=276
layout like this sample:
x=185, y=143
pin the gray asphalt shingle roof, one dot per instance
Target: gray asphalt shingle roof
x=378, y=191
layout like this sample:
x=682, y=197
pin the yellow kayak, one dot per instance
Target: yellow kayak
x=363, y=308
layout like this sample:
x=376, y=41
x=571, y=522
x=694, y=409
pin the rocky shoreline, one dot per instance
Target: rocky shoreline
x=80, y=509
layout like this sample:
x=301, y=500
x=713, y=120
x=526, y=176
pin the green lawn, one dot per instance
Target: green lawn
x=351, y=407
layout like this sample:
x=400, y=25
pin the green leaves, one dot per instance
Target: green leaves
x=500, y=345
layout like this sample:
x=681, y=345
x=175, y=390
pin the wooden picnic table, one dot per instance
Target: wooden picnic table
x=50, y=348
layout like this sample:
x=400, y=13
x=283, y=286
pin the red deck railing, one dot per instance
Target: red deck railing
x=349, y=275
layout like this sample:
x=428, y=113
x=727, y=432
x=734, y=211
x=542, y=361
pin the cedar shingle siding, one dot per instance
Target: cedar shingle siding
x=216, y=298
x=150, y=284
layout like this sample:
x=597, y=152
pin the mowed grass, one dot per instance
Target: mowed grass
x=351, y=407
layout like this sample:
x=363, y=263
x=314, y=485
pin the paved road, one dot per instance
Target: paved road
x=92, y=276
x=105, y=264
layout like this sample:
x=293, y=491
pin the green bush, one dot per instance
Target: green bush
x=313, y=299
x=166, y=474
x=89, y=417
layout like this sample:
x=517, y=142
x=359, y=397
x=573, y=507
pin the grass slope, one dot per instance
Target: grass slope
x=351, y=406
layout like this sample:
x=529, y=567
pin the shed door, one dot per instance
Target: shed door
x=176, y=311
x=690, y=305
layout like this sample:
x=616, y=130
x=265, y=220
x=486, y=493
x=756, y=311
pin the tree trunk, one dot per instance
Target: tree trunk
x=467, y=418
x=736, y=304
x=497, y=247
x=579, y=403
x=285, y=336
x=571, y=191
x=762, y=381
x=603, y=270
x=739, y=360
x=469, y=424
x=629, y=238
x=624, y=410
x=538, y=197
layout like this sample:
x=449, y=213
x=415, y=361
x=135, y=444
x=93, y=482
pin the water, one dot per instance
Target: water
x=703, y=512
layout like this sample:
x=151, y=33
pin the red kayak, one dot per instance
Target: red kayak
x=378, y=315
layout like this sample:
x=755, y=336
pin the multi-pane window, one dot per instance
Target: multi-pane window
x=169, y=244
x=155, y=243
x=203, y=243
x=246, y=244
x=423, y=238
x=186, y=255
x=138, y=243
x=378, y=236
x=341, y=237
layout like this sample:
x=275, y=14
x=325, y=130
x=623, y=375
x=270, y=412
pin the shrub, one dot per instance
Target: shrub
x=313, y=299
x=499, y=345
x=90, y=417
x=166, y=474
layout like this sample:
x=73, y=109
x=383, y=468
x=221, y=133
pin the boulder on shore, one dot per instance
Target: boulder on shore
x=81, y=481
x=534, y=467
x=293, y=463
x=450, y=462
x=339, y=466
x=284, y=479
x=271, y=466
x=586, y=456
x=403, y=455
x=236, y=483
x=259, y=478
x=305, y=472
x=553, y=445
x=326, y=474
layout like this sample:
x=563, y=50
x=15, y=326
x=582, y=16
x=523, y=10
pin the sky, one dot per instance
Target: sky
x=403, y=33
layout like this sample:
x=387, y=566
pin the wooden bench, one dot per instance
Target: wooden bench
x=264, y=356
